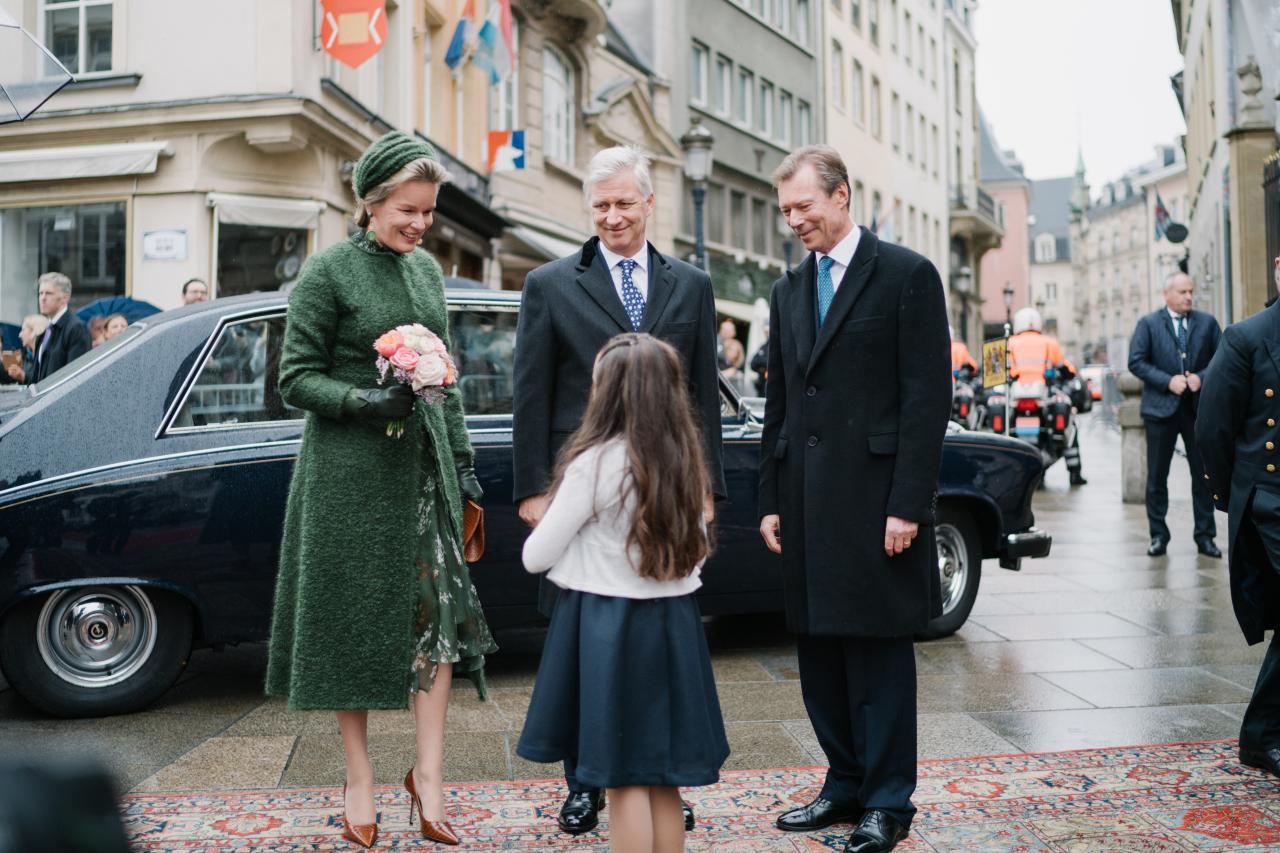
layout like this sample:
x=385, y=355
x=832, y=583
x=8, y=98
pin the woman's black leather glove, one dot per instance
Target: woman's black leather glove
x=382, y=404
x=469, y=484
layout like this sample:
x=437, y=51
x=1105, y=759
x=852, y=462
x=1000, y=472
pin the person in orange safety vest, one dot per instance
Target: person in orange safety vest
x=960, y=356
x=1037, y=357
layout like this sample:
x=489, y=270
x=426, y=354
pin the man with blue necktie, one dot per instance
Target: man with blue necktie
x=856, y=406
x=1169, y=351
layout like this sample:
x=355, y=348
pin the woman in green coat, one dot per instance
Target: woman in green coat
x=374, y=604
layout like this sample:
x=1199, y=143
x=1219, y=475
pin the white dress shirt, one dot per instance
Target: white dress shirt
x=639, y=275
x=582, y=538
x=1175, y=317
x=842, y=254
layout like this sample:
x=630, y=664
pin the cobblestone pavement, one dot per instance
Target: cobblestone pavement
x=1097, y=645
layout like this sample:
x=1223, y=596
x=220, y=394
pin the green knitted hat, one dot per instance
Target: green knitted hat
x=385, y=157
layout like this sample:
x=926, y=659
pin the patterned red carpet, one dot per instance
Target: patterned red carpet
x=1176, y=797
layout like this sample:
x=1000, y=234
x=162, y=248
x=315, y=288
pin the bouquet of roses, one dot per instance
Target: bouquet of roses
x=416, y=357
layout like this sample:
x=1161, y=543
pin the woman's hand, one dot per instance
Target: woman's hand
x=380, y=404
x=469, y=484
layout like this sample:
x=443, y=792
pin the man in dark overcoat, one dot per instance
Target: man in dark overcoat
x=1169, y=351
x=569, y=309
x=67, y=337
x=857, y=401
x=1238, y=438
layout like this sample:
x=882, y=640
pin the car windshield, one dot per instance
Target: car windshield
x=71, y=368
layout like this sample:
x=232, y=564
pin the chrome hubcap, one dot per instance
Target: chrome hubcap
x=953, y=565
x=96, y=636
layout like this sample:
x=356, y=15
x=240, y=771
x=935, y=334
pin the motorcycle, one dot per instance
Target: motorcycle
x=964, y=405
x=1040, y=413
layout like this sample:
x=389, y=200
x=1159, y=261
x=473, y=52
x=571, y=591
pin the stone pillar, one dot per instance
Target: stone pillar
x=1133, y=442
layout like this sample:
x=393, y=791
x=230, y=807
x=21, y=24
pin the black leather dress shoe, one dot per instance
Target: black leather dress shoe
x=688, y=816
x=1078, y=479
x=819, y=814
x=1206, y=547
x=1263, y=759
x=581, y=811
x=878, y=832
x=1157, y=547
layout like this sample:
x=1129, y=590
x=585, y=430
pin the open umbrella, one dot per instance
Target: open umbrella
x=29, y=73
x=132, y=309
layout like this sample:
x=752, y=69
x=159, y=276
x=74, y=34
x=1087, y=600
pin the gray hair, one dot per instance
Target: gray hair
x=423, y=169
x=1174, y=276
x=824, y=159
x=57, y=279
x=612, y=162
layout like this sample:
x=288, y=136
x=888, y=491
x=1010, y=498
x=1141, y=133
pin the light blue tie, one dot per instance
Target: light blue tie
x=632, y=298
x=826, y=289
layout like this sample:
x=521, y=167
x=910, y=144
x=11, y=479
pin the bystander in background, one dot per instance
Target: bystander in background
x=194, y=290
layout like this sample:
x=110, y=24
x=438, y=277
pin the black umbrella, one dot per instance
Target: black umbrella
x=132, y=309
x=29, y=73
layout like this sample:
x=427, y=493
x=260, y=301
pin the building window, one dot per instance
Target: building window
x=893, y=24
x=895, y=122
x=920, y=50
x=911, y=226
x=724, y=85
x=699, y=72
x=955, y=79
x=856, y=106
x=876, y=213
x=924, y=147
x=933, y=61
x=906, y=42
x=782, y=16
x=802, y=22
x=786, y=115
x=715, y=213
x=745, y=97
x=911, y=134
x=873, y=21
x=557, y=107
x=1046, y=249
x=84, y=242
x=937, y=151
x=858, y=203
x=804, y=124
x=837, y=6
x=738, y=219
x=78, y=33
x=764, y=115
x=875, y=108
x=258, y=257
x=504, y=98
x=837, y=76
x=760, y=226
x=855, y=13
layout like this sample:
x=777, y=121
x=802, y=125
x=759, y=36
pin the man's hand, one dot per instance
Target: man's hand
x=769, y=530
x=16, y=372
x=532, y=509
x=898, y=533
x=1178, y=384
x=1193, y=382
x=709, y=509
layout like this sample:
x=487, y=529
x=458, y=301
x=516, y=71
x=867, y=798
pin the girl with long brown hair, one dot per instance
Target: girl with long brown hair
x=624, y=538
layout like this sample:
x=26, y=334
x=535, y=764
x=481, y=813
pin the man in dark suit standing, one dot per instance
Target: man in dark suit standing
x=1238, y=438
x=857, y=401
x=1169, y=351
x=67, y=338
x=570, y=308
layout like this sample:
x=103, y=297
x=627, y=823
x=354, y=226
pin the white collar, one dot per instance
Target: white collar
x=1176, y=316
x=58, y=316
x=612, y=259
x=842, y=254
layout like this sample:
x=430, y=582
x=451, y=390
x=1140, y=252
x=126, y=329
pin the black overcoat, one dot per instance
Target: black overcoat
x=70, y=341
x=569, y=310
x=1238, y=439
x=855, y=415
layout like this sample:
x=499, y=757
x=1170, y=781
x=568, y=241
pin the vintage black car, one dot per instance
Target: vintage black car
x=142, y=492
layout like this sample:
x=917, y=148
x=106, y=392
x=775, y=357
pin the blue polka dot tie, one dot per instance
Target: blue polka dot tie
x=632, y=298
x=826, y=288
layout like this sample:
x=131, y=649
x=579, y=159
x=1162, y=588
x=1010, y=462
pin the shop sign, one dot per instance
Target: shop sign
x=164, y=245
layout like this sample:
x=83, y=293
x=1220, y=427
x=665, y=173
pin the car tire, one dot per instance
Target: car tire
x=96, y=650
x=959, y=569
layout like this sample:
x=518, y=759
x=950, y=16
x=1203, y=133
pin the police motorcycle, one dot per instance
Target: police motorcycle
x=965, y=410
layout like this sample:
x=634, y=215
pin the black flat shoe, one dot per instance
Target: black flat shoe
x=1078, y=480
x=1206, y=547
x=1157, y=547
x=581, y=811
x=878, y=832
x=1263, y=759
x=819, y=814
x=688, y=816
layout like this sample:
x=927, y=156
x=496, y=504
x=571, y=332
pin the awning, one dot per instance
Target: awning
x=81, y=161
x=544, y=244
x=266, y=212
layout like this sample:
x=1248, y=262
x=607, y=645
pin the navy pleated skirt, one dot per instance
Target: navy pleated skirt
x=625, y=689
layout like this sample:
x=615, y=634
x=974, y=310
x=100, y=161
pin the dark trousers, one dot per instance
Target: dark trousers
x=1162, y=435
x=1261, y=727
x=860, y=694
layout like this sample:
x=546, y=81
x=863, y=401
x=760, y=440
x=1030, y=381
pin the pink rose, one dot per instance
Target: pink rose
x=388, y=344
x=405, y=359
x=431, y=372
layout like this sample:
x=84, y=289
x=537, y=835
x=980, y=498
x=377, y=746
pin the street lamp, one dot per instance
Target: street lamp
x=697, y=144
x=785, y=232
x=1008, y=307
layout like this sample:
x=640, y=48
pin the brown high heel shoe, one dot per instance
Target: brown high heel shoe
x=364, y=834
x=438, y=831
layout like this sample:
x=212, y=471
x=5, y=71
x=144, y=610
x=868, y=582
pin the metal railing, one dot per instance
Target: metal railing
x=970, y=196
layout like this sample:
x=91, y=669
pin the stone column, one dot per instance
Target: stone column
x=1133, y=442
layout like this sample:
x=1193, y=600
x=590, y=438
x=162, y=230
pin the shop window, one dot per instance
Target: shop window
x=257, y=257
x=557, y=107
x=84, y=242
x=239, y=382
x=79, y=34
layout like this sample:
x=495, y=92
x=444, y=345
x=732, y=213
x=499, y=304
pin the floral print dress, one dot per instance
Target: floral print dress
x=449, y=624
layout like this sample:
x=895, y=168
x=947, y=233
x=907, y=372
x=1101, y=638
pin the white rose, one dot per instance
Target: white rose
x=430, y=372
x=416, y=336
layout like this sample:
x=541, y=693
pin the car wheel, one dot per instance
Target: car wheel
x=959, y=569
x=96, y=650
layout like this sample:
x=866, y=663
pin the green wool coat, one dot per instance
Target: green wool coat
x=342, y=633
